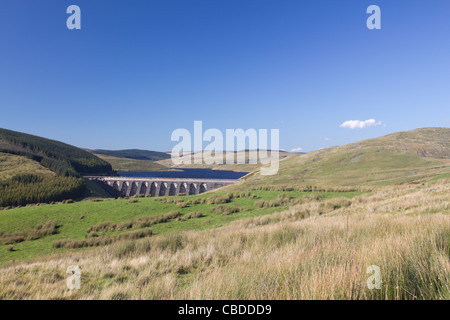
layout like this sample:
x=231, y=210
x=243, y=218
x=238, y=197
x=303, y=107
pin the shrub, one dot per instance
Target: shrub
x=101, y=241
x=192, y=215
x=225, y=210
x=281, y=200
x=142, y=222
x=49, y=228
x=338, y=203
x=219, y=199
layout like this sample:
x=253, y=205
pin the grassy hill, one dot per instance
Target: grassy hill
x=12, y=165
x=39, y=170
x=135, y=154
x=133, y=159
x=206, y=159
x=127, y=164
x=61, y=158
x=402, y=157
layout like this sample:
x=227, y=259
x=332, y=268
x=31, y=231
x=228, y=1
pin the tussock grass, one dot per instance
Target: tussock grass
x=101, y=241
x=192, y=215
x=310, y=188
x=318, y=249
x=47, y=229
x=142, y=222
x=226, y=210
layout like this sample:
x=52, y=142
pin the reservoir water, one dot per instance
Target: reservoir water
x=184, y=173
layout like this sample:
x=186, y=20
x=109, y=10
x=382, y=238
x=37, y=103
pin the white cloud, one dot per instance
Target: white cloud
x=297, y=149
x=353, y=124
x=326, y=139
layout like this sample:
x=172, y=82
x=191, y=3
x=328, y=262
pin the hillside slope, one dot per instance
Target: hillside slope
x=208, y=161
x=401, y=157
x=127, y=164
x=61, y=158
x=39, y=170
x=319, y=248
x=12, y=165
x=135, y=154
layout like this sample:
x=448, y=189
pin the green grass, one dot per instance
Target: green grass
x=76, y=218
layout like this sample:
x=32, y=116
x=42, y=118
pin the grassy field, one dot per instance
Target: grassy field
x=75, y=218
x=319, y=248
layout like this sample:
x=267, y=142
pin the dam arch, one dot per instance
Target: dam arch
x=192, y=189
x=173, y=189
x=163, y=189
x=154, y=187
x=133, y=189
x=144, y=187
x=183, y=187
x=124, y=188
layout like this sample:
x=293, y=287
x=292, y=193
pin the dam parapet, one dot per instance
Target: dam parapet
x=156, y=187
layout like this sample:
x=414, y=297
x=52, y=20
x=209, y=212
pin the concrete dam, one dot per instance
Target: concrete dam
x=156, y=187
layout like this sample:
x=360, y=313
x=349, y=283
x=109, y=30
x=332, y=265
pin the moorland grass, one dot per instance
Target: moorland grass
x=316, y=249
x=75, y=219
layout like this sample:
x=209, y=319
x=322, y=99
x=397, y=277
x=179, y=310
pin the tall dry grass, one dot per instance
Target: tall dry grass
x=315, y=250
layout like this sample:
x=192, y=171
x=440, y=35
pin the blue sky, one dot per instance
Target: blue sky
x=137, y=70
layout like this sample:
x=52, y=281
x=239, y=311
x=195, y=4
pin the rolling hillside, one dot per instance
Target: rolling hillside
x=127, y=164
x=135, y=154
x=401, y=157
x=39, y=170
x=245, y=167
x=12, y=165
x=323, y=239
x=61, y=158
x=133, y=159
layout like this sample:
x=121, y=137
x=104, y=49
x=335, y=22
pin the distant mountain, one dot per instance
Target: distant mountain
x=402, y=157
x=135, y=154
